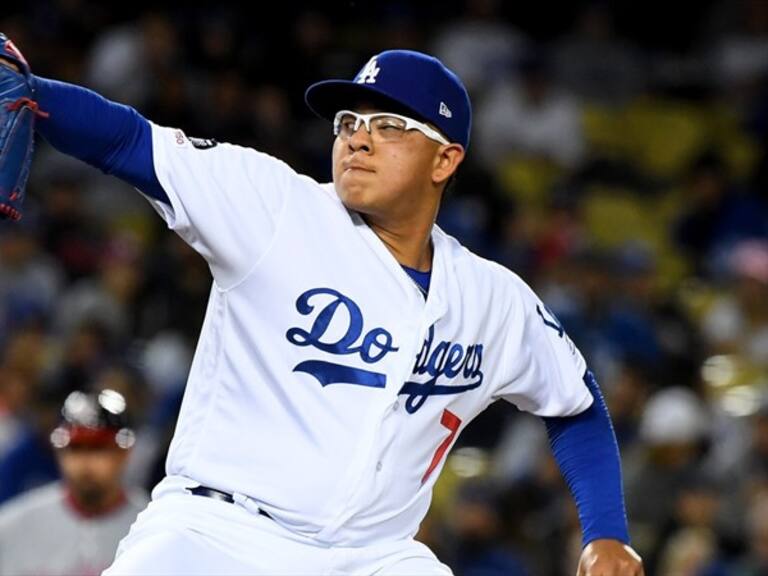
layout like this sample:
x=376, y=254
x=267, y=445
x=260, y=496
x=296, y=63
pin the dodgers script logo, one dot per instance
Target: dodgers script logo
x=447, y=359
x=375, y=344
x=436, y=359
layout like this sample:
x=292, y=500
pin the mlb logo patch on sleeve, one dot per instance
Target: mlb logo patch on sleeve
x=202, y=143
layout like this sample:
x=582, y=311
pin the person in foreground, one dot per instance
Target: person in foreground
x=347, y=341
x=72, y=527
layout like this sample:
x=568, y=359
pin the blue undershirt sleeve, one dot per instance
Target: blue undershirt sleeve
x=588, y=456
x=112, y=137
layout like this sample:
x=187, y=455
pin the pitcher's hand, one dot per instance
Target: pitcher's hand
x=609, y=558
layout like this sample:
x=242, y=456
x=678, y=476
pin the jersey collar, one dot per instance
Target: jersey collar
x=435, y=305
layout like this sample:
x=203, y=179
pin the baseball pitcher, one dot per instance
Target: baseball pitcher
x=347, y=342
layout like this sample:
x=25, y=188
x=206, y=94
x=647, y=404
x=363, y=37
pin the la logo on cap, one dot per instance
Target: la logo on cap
x=369, y=72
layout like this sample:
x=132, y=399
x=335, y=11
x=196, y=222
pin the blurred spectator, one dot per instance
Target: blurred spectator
x=689, y=553
x=82, y=354
x=674, y=430
x=16, y=392
x=29, y=461
x=479, y=45
x=106, y=299
x=170, y=103
x=716, y=214
x=626, y=394
x=743, y=469
x=272, y=122
x=165, y=361
x=738, y=321
x=67, y=233
x=740, y=57
x=473, y=210
x=625, y=327
x=72, y=528
x=631, y=323
x=696, y=511
x=562, y=234
x=27, y=351
x=126, y=60
x=754, y=464
x=479, y=548
x=215, y=41
x=527, y=115
x=755, y=562
x=226, y=119
x=594, y=63
x=538, y=514
x=517, y=238
x=176, y=289
x=30, y=280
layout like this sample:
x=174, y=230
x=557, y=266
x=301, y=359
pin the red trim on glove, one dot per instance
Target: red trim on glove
x=29, y=103
x=10, y=212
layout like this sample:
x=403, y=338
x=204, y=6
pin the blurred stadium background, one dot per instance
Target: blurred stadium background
x=618, y=163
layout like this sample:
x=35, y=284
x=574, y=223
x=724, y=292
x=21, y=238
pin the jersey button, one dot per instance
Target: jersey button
x=378, y=466
x=396, y=406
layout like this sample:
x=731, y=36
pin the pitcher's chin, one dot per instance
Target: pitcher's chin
x=356, y=196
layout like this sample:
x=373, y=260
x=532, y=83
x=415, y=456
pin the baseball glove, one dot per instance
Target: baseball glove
x=17, y=118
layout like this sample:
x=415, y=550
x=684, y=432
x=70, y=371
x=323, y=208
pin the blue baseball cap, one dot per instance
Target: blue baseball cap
x=418, y=83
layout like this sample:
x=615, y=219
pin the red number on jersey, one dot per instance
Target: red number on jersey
x=452, y=422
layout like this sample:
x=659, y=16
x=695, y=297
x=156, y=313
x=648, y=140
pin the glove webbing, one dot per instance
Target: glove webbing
x=23, y=102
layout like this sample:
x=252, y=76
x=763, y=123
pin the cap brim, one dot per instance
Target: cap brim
x=326, y=98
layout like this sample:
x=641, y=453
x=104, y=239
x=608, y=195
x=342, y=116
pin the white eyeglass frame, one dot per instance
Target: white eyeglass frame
x=365, y=119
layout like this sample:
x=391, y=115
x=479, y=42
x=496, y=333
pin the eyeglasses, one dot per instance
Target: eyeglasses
x=382, y=126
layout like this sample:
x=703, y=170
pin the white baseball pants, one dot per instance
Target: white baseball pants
x=183, y=534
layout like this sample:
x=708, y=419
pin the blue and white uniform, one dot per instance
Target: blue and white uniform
x=326, y=389
x=314, y=330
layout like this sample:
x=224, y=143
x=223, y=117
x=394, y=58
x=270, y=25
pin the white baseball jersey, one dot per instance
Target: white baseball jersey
x=324, y=386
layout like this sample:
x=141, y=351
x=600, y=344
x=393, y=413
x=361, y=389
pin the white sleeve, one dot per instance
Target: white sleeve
x=544, y=371
x=225, y=200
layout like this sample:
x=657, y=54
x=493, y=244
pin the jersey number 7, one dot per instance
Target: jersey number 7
x=452, y=422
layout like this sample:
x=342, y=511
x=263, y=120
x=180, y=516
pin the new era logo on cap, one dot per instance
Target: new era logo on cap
x=445, y=111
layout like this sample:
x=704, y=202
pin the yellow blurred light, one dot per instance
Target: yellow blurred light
x=719, y=371
x=468, y=462
x=740, y=401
